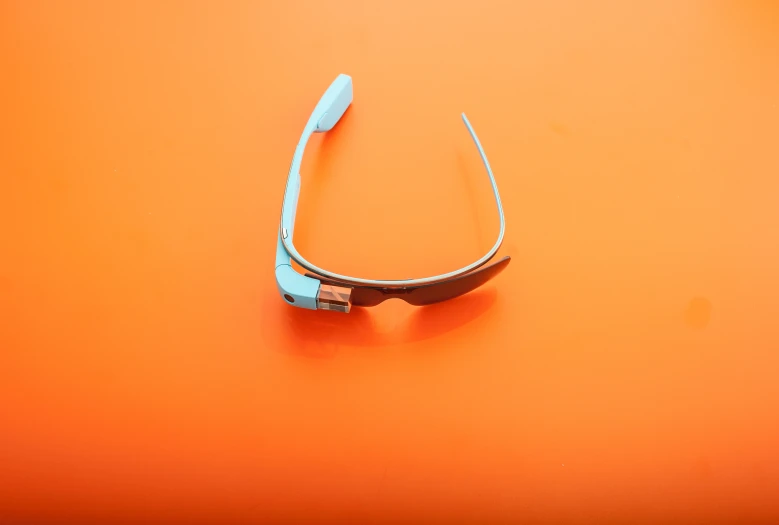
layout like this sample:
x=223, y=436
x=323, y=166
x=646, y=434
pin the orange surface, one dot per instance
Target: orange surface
x=622, y=370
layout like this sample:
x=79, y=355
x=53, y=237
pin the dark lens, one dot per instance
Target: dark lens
x=426, y=293
x=363, y=296
x=451, y=288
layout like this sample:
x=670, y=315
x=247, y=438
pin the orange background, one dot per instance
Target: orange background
x=622, y=369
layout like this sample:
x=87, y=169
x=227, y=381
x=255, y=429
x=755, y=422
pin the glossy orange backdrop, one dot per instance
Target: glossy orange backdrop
x=622, y=370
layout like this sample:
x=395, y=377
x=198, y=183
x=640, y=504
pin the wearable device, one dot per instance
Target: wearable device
x=324, y=290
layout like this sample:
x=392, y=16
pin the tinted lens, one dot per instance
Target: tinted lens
x=437, y=292
x=426, y=293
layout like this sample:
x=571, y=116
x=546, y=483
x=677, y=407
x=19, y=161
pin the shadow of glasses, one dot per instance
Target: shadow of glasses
x=323, y=334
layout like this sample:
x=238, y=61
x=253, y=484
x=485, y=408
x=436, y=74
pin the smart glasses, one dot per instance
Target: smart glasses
x=324, y=290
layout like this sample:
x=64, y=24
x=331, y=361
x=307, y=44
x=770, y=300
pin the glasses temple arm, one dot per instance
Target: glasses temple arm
x=303, y=291
x=493, y=182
